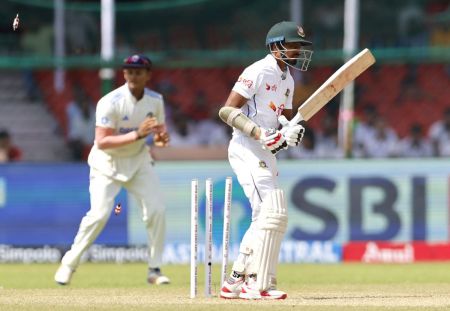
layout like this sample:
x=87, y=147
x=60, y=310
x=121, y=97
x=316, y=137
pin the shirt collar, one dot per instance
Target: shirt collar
x=273, y=63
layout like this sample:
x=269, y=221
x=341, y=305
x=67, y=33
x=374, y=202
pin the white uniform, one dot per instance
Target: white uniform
x=269, y=94
x=269, y=91
x=129, y=166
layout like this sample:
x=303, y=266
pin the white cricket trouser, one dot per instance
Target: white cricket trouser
x=256, y=170
x=103, y=190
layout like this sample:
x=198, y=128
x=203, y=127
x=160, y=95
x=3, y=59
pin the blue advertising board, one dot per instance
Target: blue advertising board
x=329, y=201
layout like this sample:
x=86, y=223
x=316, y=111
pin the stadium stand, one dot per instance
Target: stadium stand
x=32, y=127
x=399, y=99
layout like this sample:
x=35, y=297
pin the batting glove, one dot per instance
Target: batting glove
x=272, y=140
x=293, y=134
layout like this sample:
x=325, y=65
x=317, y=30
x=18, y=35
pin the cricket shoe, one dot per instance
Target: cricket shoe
x=156, y=277
x=232, y=287
x=250, y=291
x=63, y=275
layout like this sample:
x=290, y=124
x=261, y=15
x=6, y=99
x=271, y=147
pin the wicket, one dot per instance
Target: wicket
x=208, y=234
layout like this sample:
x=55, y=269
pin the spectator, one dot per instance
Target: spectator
x=81, y=32
x=439, y=135
x=411, y=91
x=81, y=124
x=415, y=145
x=382, y=142
x=182, y=133
x=363, y=129
x=212, y=131
x=411, y=25
x=327, y=139
x=168, y=90
x=8, y=152
x=200, y=107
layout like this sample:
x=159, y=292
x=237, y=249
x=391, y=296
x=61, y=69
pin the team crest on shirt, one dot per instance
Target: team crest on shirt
x=104, y=120
x=262, y=164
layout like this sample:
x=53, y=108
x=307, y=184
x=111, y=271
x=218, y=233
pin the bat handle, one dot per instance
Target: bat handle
x=295, y=120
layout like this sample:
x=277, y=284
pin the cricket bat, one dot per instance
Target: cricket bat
x=334, y=84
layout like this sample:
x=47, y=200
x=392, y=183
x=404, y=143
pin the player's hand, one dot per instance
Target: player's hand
x=292, y=133
x=161, y=139
x=273, y=140
x=149, y=125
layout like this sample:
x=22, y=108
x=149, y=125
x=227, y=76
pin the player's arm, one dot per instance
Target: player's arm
x=231, y=114
x=271, y=139
x=105, y=138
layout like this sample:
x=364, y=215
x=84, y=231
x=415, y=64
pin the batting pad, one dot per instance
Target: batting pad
x=272, y=223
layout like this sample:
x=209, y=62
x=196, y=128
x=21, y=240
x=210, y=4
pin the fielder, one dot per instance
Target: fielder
x=120, y=158
x=260, y=100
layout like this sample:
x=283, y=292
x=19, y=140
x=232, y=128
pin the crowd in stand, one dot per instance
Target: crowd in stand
x=372, y=137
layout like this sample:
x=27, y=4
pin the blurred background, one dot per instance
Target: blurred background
x=373, y=166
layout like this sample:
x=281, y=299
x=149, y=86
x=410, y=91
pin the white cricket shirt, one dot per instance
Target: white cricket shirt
x=269, y=91
x=121, y=111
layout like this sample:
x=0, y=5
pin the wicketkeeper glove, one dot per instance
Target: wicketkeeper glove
x=272, y=139
x=293, y=134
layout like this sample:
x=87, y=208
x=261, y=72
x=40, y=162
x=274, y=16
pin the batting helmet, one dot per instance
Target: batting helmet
x=286, y=31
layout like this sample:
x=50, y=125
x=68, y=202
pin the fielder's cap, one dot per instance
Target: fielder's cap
x=286, y=31
x=137, y=61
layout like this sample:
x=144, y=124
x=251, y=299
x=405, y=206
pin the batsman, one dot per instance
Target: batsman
x=258, y=108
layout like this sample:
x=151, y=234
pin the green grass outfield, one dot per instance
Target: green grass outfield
x=309, y=287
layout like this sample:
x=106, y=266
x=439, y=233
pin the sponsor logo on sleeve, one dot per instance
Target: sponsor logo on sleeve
x=247, y=82
x=124, y=130
x=104, y=120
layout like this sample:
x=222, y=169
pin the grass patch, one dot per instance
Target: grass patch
x=309, y=287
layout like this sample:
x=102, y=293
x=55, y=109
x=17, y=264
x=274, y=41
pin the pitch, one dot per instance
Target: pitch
x=309, y=287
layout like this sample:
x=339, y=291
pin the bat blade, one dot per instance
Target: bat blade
x=334, y=84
